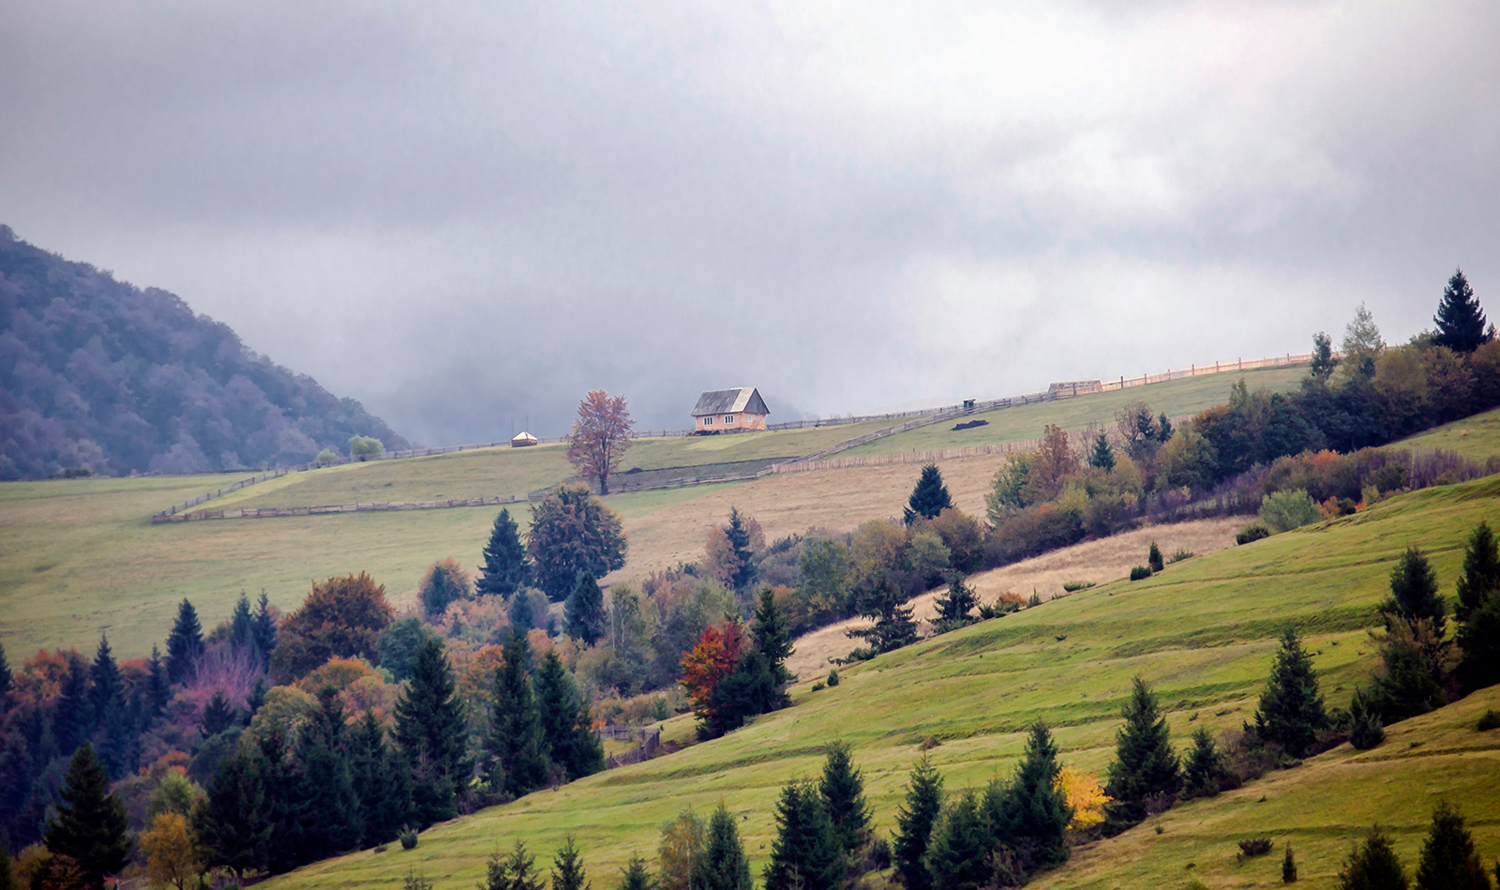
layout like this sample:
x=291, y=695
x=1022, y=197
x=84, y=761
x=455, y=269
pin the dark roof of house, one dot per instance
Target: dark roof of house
x=730, y=401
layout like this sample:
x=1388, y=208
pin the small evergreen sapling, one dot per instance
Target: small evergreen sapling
x=1373, y=865
x=1145, y=767
x=723, y=865
x=914, y=821
x=637, y=877
x=1102, y=456
x=1448, y=860
x=1291, y=712
x=1414, y=593
x=1288, y=867
x=1206, y=772
x=1153, y=558
x=567, y=868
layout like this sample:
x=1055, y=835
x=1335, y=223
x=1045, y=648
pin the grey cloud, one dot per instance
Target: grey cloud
x=466, y=213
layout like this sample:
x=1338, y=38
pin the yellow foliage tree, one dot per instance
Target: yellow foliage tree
x=171, y=852
x=1085, y=795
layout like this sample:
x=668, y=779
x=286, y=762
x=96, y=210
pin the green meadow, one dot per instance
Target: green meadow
x=1203, y=633
x=1477, y=437
x=1177, y=398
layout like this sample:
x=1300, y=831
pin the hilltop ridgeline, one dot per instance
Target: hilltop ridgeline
x=97, y=374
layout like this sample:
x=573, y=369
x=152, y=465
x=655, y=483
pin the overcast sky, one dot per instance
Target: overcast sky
x=464, y=214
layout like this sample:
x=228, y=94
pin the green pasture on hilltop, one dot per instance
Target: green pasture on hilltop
x=1477, y=437
x=81, y=557
x=1024, y=422
x=1203, y=633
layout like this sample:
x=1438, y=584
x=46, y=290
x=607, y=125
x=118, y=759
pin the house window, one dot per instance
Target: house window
x=729, y=418
x=708, y=421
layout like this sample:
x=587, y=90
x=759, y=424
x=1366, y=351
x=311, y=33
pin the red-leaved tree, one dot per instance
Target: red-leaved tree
x=711, y=660
x=600, y=436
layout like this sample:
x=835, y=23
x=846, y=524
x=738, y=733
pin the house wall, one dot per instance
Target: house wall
x=742, y=421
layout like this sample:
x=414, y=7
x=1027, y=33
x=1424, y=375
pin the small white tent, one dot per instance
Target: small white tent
x=522, y=439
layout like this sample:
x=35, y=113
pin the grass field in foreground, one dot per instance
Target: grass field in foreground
x=1175, y=397
x=1203, y=632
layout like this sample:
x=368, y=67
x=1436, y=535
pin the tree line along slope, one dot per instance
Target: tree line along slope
x=1203, y=632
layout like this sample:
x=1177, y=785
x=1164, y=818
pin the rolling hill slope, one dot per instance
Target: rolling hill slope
x=1203, y=632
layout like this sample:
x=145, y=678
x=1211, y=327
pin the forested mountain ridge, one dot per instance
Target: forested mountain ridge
x=101, y=375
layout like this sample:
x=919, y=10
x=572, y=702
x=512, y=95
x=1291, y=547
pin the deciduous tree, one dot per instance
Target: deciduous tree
x=342, y=617
x=445, y=582
x=171, y=851
x=572, y=531
x=600, y=437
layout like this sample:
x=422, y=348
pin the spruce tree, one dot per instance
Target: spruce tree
x=960, y=855
x=217, y=716
x=1479, y=638
x=914, y=821
x=954, y=606
x=1206, y=771
x=567, y=737
x=1288, y=867
x=1102, y=456
x=105, y=685
x=516, y=742
x=723, y=865
x=1481, y=572
x=739, y=540
x=772, y=636
x=894, y=626
x=264, y=628
x=929, y=497
x=636, y=876
x=72, y=720
x=843, y=791
x=380, y=781
x=158, y=686
x=1373, y=865
x=1145, y=766
x=506, y=568
x=1291, y=712
x=230, y=824
x=1460, y=321
x=805, y=854
x=584, y=617
x=1448, y=860
x=514, y=871
x=1414, y=593
x=90, y=824
x=242, y=629
x=184, y=644
x=1031, y=812
x=432, y=731
x=334, y=819
x=567, y=868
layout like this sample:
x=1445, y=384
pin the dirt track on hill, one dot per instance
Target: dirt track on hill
x=1098, y=561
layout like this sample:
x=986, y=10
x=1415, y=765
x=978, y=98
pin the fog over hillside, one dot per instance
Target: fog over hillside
x=465, y=216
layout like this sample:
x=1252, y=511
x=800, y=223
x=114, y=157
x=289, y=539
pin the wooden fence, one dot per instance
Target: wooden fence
x=815, y=460
x=650, y=741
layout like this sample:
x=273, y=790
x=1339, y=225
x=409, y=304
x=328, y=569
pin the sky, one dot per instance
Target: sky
x=467, y=215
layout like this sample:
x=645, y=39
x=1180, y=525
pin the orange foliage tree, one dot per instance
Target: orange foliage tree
x=341, y=617
x=711, y=660
x=600, y=436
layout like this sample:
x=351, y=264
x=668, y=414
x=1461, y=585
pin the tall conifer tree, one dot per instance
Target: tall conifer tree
x=960, y=854
x=723, y=865
x=184, y=644
x=914, y=821
x=105, y=685
x=432, y=729
x=90, y=825
x=1460, y=321
x=1291, y=712
x=567, y=736
x=516, y=740
x=1102, y=456
x=1449, y=860
x=72, y=718
x=1031, y=813
x=584, y=611
x=506, y=568
x=264, y=628
x=805, y=855
x=929, y=498
x=772, y=637
x=1481, y=572
x=1414, y=593
x=1145, y=765
x=739, y=539
x=843, y=791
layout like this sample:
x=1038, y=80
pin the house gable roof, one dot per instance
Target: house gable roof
x=730, y=401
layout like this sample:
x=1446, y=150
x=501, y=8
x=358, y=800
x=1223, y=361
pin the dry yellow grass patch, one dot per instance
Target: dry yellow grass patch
x=1092, y=561
x=838, y=500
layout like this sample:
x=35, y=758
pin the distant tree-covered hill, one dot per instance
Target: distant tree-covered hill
x=97, y=374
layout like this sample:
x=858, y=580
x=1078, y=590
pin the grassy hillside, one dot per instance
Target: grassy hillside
x=1477, y=437
x=1203, y=633
x=1175, y=397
